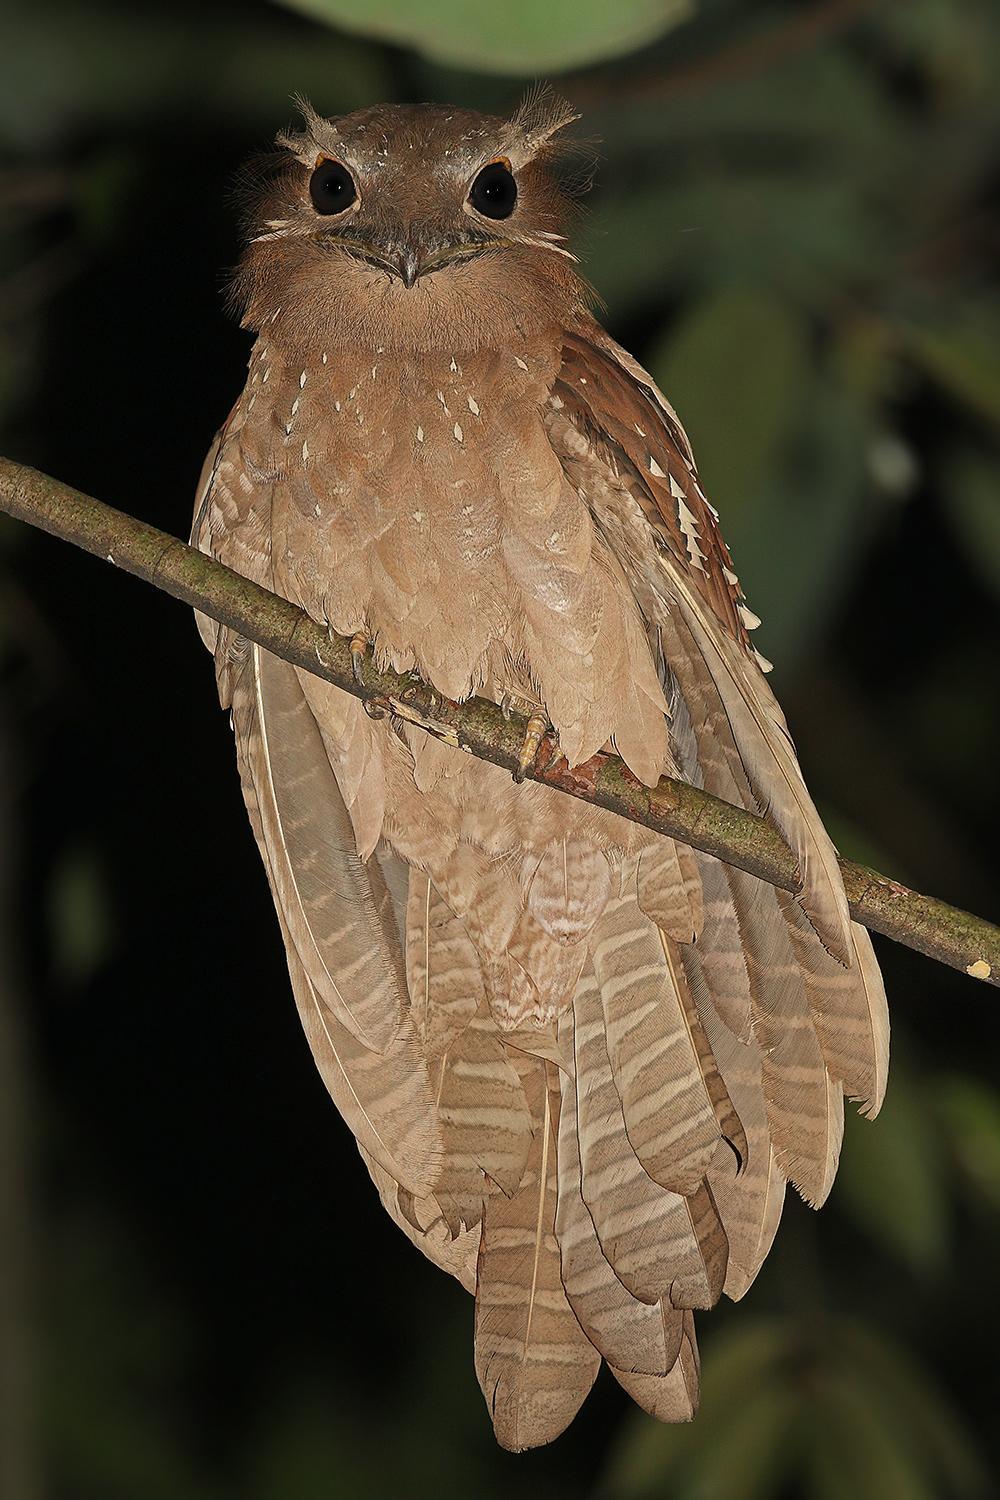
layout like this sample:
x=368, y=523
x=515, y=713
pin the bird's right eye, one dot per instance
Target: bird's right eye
x=331, y=188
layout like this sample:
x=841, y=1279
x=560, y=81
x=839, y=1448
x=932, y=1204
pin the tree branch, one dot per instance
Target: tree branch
x=672, y=808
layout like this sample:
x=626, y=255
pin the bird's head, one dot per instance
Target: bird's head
x=412, y=227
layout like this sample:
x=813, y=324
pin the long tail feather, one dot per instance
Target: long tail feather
x=485, y=1123
x=672, y=1397
x=669, y=1115
x=630, y=1334
x=534, y=1362
x=384, y=1097
x=336, y=907
x=658, y=1242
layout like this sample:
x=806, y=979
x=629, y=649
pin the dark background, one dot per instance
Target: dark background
x=796, y=225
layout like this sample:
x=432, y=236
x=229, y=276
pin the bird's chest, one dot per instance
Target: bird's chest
x=398, y=489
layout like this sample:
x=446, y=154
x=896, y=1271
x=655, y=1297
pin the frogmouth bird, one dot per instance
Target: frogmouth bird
x=581, y=1061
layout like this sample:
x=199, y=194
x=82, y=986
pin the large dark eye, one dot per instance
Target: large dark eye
x=331, y=188
x=494, y=192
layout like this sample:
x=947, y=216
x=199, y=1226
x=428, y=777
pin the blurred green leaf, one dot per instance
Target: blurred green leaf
x=962, y=356
x=57, y=66
x=970, y=1111
x=113, y=1421
x=733, y=1438
x=853, y=1454
x=915, y=1408
x=518, y=37
x=892, y=1177
x=735, y=366
x=972, y=506
x=782, y=455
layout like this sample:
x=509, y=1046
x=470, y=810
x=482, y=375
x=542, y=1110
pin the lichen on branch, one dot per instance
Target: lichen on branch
x=673, y=808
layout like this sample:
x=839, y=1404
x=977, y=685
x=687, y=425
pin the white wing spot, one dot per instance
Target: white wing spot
x=418, y=516
x=325, y=358
x=675, y=489
x=305, y=453
x=474, y=406
x=638, y=429
x=302, y=379
x=420, y=434
x=750, y=620
x=520, y=362
x=458, y=433
x=689, y=527
x=655, y=469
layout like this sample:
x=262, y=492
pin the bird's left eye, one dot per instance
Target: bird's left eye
x=494, y=192
x=331, y=188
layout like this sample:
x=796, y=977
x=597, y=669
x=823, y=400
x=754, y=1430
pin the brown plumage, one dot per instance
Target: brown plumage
x=580, y=1061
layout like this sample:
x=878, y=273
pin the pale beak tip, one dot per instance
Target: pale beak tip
x=409, y=266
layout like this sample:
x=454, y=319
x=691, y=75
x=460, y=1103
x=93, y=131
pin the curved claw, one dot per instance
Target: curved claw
x=533, y=736
x=359, y=645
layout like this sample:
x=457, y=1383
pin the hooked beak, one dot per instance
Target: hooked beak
x=409, y=262
x=408, y=266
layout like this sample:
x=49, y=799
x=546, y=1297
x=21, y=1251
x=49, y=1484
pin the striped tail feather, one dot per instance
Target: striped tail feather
x=669, y=1115
x=805, y=1106
x=779, y=946
x=534, y=1362
x=336, y=908
x=485, y=1124
x=659, y=1243
x=383, y=1095
x=749, y=1205
x=672, y=1397
x=632, y=1335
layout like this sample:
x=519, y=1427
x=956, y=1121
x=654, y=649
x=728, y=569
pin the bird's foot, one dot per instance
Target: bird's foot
x=359, y=645
x=537, y=727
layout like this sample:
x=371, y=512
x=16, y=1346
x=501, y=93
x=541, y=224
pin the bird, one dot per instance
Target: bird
x=581, y=1060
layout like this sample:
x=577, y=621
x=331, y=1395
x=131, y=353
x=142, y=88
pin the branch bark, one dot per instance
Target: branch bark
x=478, y=726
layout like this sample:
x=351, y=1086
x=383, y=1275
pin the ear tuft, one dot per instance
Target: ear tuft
x=319, y=134
x=541, y=114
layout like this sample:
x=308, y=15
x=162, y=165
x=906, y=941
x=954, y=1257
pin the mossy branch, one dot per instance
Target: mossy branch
x=673, y=808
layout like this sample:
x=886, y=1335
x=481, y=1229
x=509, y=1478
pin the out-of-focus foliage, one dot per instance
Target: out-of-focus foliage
x=516, y=37
x=829, y=1412
x=796, y=226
